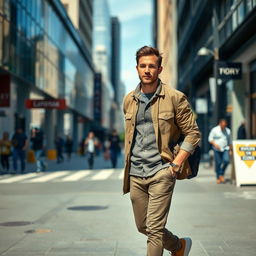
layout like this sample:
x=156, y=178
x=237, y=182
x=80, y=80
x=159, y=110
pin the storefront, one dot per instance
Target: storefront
x=42, y=57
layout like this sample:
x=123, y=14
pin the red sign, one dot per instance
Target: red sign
x=5, y=91
x=49, y=104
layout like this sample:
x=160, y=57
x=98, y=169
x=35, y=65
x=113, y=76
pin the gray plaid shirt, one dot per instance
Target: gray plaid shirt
x=145, y=157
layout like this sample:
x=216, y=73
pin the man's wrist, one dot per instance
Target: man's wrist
x=175, y=167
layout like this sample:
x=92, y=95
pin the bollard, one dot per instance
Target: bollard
x=31, y=156
x=51, y=154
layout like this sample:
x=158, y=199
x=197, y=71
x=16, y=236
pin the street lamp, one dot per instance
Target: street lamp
x=205, y=51
x=215, y=53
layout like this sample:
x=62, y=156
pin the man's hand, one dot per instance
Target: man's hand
x=173, y=173
x=216, y=146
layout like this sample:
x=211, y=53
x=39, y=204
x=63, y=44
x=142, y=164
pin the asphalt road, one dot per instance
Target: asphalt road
x=70, y=210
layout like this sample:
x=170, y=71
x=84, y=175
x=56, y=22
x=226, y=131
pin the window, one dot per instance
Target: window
x=241, y=12
x=234, y=20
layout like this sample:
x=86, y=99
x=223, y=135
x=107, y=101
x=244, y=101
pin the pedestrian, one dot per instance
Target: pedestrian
x=220, y=139
x=59, y=144
x=37, y=140
x=114, y=147
x=241, y=132
x=20, y=144
x=106, y=150
x=155, y=117
x=5, y=151
x=91, y=144
x=69, y=146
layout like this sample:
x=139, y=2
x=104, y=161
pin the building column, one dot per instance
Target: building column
x=60, y=123
x=22, y=115
x=238, y=102
x=75, y=132
x=50, y=128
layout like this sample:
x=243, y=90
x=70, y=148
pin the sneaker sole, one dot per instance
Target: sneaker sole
x=188, y=246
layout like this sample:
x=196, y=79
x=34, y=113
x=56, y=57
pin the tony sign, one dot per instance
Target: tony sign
x=229, y=70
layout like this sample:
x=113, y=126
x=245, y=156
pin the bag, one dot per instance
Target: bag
x=194, y=161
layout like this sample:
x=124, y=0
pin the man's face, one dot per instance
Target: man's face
x=223, y=124
x=148, y=69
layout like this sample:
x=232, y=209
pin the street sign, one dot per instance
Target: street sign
x=47, y=104
x=229, y=70
x=245, y=161
x=201, y=106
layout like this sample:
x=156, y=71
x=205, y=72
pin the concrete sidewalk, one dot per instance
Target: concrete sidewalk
x=220, y=218
x=93, y=218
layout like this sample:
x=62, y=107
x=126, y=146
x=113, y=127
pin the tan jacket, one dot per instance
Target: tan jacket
x=171, y=116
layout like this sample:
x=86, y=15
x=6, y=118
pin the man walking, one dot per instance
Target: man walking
x=37, y=139
x=155, y=117
x=114, y=147
x=220, y=138
x=91, y=144
x=20, y=144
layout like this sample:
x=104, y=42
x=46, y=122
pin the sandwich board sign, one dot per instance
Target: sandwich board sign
x=244, y=152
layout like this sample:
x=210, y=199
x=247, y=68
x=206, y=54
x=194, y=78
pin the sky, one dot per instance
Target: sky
x=136, y=21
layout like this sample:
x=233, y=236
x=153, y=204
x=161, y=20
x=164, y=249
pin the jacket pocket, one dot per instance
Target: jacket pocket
x=128, y=116
x=128, y=121
x=166, y=121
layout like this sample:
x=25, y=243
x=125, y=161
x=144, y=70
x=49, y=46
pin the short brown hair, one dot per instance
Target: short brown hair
x=148, y=50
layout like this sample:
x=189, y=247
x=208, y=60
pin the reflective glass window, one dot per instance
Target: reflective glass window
x=39, y=48
x=234, y=20
x=249, y=5
x=241, y=12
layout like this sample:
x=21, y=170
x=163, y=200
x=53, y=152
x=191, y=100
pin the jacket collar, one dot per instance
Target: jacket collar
x=159, y=90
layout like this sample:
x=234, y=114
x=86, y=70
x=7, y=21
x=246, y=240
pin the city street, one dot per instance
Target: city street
x=72, y=211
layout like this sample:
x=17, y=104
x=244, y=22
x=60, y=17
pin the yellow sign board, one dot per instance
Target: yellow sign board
x=245, y=161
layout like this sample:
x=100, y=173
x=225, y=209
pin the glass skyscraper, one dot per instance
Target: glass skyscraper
x=102, y=56
x=45, y=58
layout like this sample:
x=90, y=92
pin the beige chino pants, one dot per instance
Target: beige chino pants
x=151, y=200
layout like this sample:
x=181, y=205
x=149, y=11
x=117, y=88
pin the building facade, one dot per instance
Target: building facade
x=102, y=52
x=43, y=57
x=165, y=38
x=227, y=30
x=80, y=13
x=116, y=74
x=115, y=56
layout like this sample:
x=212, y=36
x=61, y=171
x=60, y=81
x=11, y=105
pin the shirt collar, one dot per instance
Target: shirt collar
x=159, y=90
